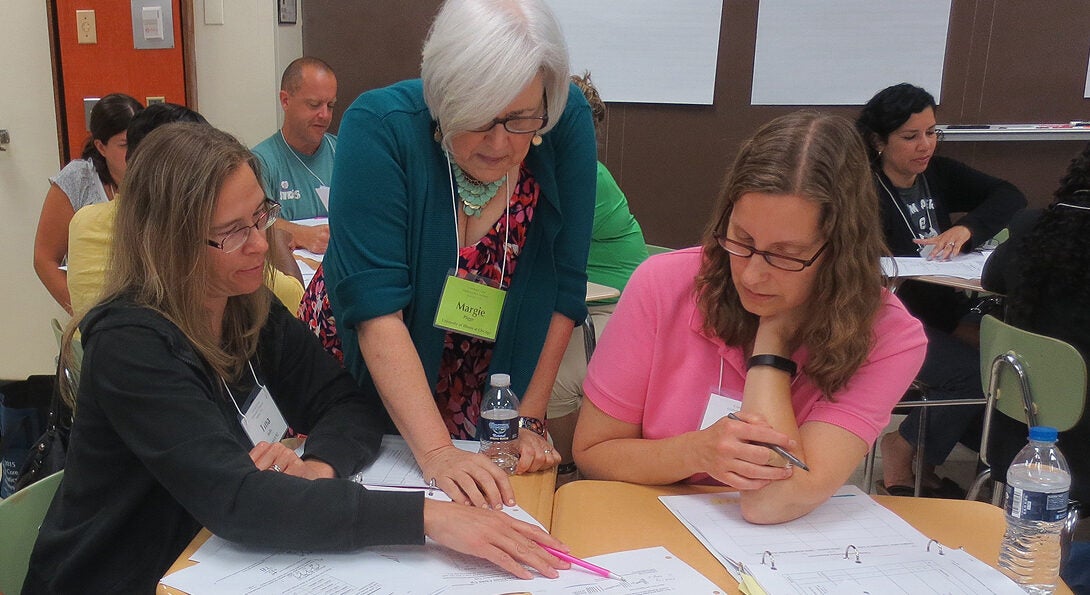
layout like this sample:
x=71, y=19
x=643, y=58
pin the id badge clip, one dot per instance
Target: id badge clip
x=470, y=305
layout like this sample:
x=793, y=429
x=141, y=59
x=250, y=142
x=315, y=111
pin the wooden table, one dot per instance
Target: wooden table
x=533, y=492
x=597, y=292
x=600, y=517
x=955, y=282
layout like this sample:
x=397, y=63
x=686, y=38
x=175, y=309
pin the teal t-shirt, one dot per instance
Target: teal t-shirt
x=617, y=246
x=294, y=179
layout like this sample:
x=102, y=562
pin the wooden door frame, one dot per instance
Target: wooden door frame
x=189, y=70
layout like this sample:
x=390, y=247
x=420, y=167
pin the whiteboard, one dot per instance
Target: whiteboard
x=644, y=51
x=841, y=52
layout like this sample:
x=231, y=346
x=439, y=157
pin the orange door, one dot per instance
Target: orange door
x=111, y=65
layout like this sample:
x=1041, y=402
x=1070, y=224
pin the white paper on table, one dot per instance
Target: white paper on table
x=962, y=266
x=953, y=571
x=432, y=569
x=810, y=550
x=396, y=466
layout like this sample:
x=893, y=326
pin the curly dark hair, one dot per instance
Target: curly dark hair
x=887, y=111
x=1055, y=255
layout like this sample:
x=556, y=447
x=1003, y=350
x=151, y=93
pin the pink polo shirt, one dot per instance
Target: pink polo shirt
x=655, y=367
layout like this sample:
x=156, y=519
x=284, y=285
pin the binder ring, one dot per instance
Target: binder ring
x=850, y=548
x=771, y=559
x=937, y=544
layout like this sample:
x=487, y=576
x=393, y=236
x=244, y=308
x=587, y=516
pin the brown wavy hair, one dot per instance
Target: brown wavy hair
x=819, y=157
x=159, y=255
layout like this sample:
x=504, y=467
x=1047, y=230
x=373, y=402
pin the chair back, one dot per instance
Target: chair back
x=21, y=515
x=72, y=373
x=653, y=249
x=1032, y=378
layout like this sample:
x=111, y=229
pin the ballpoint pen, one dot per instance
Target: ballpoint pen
x=591, y=567
x=776, y=449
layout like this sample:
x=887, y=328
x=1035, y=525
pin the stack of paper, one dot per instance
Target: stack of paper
x=850, y=544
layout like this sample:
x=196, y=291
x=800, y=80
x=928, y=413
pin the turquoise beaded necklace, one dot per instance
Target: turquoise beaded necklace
x=474, y=193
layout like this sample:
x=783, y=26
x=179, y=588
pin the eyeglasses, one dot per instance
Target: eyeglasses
x=520, y=124
x=786, y=263
x=234, y=239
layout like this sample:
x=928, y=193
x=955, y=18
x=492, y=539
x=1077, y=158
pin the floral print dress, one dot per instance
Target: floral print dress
x=463, y=369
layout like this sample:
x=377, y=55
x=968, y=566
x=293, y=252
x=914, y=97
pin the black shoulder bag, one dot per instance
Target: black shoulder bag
x=49, y=452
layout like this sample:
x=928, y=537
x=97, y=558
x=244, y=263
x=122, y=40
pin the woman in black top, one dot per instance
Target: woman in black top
x=917, y=192
x=186, y=339
x=1044, y=270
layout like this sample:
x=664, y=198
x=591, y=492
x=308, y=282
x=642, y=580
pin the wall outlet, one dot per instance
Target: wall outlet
x=86, y=31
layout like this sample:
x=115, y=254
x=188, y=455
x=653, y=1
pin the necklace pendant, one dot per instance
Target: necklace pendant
x=471, y=210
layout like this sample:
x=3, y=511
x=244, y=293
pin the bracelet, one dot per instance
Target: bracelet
x=775, y=361
x=533, y=424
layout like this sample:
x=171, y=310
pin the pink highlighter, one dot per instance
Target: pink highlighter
x=583, y=563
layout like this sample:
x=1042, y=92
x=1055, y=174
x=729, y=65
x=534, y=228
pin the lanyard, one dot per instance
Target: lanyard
x=231, y=398
x=901, y=209
x=297, y=158
x=457, y=230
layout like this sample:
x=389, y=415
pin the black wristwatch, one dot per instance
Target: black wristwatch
x=775, y=361
x=533, y=424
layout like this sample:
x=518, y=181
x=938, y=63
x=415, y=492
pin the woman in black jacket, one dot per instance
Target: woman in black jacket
x=185, y=345
x=917, y=192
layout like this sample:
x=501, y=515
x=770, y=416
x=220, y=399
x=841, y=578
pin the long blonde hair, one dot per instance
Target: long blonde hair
x=821, y=158
x=159, y=254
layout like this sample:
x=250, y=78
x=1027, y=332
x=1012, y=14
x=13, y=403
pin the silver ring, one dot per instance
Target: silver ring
x=277, y=468
x=548, y=450
x=431, y=484
x=951, y=244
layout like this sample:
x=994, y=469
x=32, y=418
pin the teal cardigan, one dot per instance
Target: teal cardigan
x=392, y=232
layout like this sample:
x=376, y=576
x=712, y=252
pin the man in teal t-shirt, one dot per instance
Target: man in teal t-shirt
x=297, y=161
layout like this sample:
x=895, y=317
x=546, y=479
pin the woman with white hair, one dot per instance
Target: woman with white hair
x=481, y=174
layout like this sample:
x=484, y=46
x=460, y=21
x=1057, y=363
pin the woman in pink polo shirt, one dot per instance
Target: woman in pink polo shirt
x=780, y=314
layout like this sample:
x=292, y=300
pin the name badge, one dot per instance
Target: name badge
x=263, y=421
x=470, y=307
x=720, y=403
x=323, y=195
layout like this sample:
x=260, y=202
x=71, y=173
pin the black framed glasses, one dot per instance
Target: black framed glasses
x=785, y=263
x=520, y=124
x=234, y=239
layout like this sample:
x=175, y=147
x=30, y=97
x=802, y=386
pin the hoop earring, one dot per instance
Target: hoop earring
x=536, y=141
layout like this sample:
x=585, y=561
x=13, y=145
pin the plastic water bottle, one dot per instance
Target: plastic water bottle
x=1037, y=486
x=498, y=427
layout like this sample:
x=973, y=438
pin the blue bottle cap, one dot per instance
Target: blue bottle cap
x=1042, y=434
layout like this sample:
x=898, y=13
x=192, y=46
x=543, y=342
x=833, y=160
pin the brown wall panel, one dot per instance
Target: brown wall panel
x=1007, y=62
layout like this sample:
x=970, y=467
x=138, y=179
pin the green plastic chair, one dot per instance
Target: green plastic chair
x=1045, y=386
x=21, y=515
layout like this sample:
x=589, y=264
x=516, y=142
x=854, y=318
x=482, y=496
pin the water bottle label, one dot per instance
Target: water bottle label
x=498, y=430
x=1036, y=506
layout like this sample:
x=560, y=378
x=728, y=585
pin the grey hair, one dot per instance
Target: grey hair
x=480, y=54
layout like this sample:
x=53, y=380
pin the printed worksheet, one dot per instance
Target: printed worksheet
x=848, y=544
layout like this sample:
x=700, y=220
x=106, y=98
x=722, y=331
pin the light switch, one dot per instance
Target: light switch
x=213, y=12
x=152, y=18
x=86, y=31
